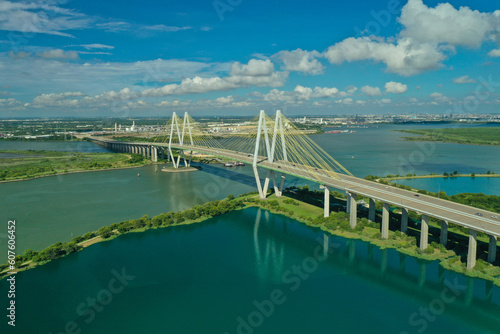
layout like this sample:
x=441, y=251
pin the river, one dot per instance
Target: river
x=201, y=278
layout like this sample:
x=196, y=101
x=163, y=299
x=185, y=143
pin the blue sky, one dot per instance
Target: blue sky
x=149, y=58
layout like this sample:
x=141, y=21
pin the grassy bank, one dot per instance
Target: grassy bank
x=472, y=136
x=32, y=164
x=307, y=213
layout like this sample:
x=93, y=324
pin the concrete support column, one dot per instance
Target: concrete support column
x=282, y=183
x=443, y=238
x=276, y=187
x=424, y=232
x=326, y=211
x=371, y=210
x=353, y=209
x=348, y=203
x=404, y=220
x=154, y=154
x=385, y=221
x=492, y=249
x=472, y=253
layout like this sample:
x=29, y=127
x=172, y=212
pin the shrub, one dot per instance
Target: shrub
x=429, y=250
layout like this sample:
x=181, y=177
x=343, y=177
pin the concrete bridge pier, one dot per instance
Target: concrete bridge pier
x=326, y=211
x=424, y=232
x=472, y=251
x=277, y=188
x=154, y=154
x=443, y=238
x=492, y=249
x=353, y=209
x=282, y=182
x=371, y=210
x=348, y=203
x=404, y=220
x=385, y=221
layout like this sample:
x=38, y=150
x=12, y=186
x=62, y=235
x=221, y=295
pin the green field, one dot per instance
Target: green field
x=473, y=136
x=16, y=165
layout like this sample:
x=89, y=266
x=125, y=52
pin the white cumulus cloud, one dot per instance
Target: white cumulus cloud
x=464, y=79
x=371, y=91
x=395, y=87
x=446, y=24
x=494, y=53
x=405, y=57
x=301, y=61
x=58, y=54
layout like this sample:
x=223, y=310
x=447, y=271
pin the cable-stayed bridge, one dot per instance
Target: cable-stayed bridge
x=280, y=148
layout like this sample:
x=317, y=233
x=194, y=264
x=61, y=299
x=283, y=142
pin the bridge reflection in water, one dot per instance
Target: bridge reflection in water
x=424, y=281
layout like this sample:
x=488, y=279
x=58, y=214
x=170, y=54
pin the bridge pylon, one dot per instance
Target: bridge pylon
x=177, y=134
x=270, y=149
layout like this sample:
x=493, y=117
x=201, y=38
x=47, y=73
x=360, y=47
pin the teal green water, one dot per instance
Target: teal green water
x=382, y=151
x=58, y=208
x=452, y=186
x=203, y=278
x=70, y=146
